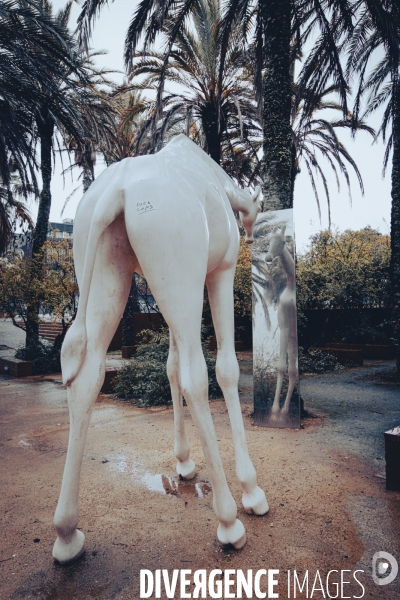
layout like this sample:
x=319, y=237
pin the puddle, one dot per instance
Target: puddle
x=174, y=487
x=164, y=484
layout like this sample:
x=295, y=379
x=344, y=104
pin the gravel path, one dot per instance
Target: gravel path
x=328, y=505
x=358, y=410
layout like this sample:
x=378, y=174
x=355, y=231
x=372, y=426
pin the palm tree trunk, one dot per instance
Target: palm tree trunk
x=46, y=130
x=212, y=130
x=88, y=161
x=277, y=145
x=294, y=172
x=87, y=178
x=395, y=227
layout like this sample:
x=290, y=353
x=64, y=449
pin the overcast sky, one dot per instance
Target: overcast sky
x=371, y=209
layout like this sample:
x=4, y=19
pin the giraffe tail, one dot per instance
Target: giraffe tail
x=74, y=348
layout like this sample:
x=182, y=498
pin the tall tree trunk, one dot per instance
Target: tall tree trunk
x=277, y=145
x=212, y=130
x=132, y=306
x=294, y=172
x=46, y=130
x=87, y=178
x=88, y=160
x=395, y=227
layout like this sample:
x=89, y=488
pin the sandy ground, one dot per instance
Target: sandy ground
x=328, y=504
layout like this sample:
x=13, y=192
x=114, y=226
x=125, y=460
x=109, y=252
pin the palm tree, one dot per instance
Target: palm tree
x=32, y=51
x=315, y=137
x=13, y=209
x=98, y=112
x=221, y=115
x=115, y=118
x=60, y=109
x=286, y=26
x=130, y=113
x=275, y=29
x=377, y=37
x=39, y=67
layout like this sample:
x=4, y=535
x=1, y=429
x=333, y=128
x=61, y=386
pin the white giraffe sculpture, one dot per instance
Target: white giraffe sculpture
x=286, y=321
x=169, y=217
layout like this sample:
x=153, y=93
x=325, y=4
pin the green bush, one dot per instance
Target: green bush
x=316, y=361
x=364, y=333
x=45, y=357
x=144, y=379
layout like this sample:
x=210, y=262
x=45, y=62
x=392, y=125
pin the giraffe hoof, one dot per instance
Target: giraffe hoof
x=235, y=534
x=255, y=502
x=187, y=469
x=66, y=553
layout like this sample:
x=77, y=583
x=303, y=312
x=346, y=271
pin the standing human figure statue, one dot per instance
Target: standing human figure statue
x=288, y=357
x=169, y=217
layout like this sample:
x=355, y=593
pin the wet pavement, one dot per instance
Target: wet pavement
x=325, y=486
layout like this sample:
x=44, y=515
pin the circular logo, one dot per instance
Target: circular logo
x=384, y=568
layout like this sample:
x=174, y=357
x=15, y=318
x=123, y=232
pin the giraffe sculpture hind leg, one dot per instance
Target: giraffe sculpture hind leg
x=185, y=466
x=110, y=287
